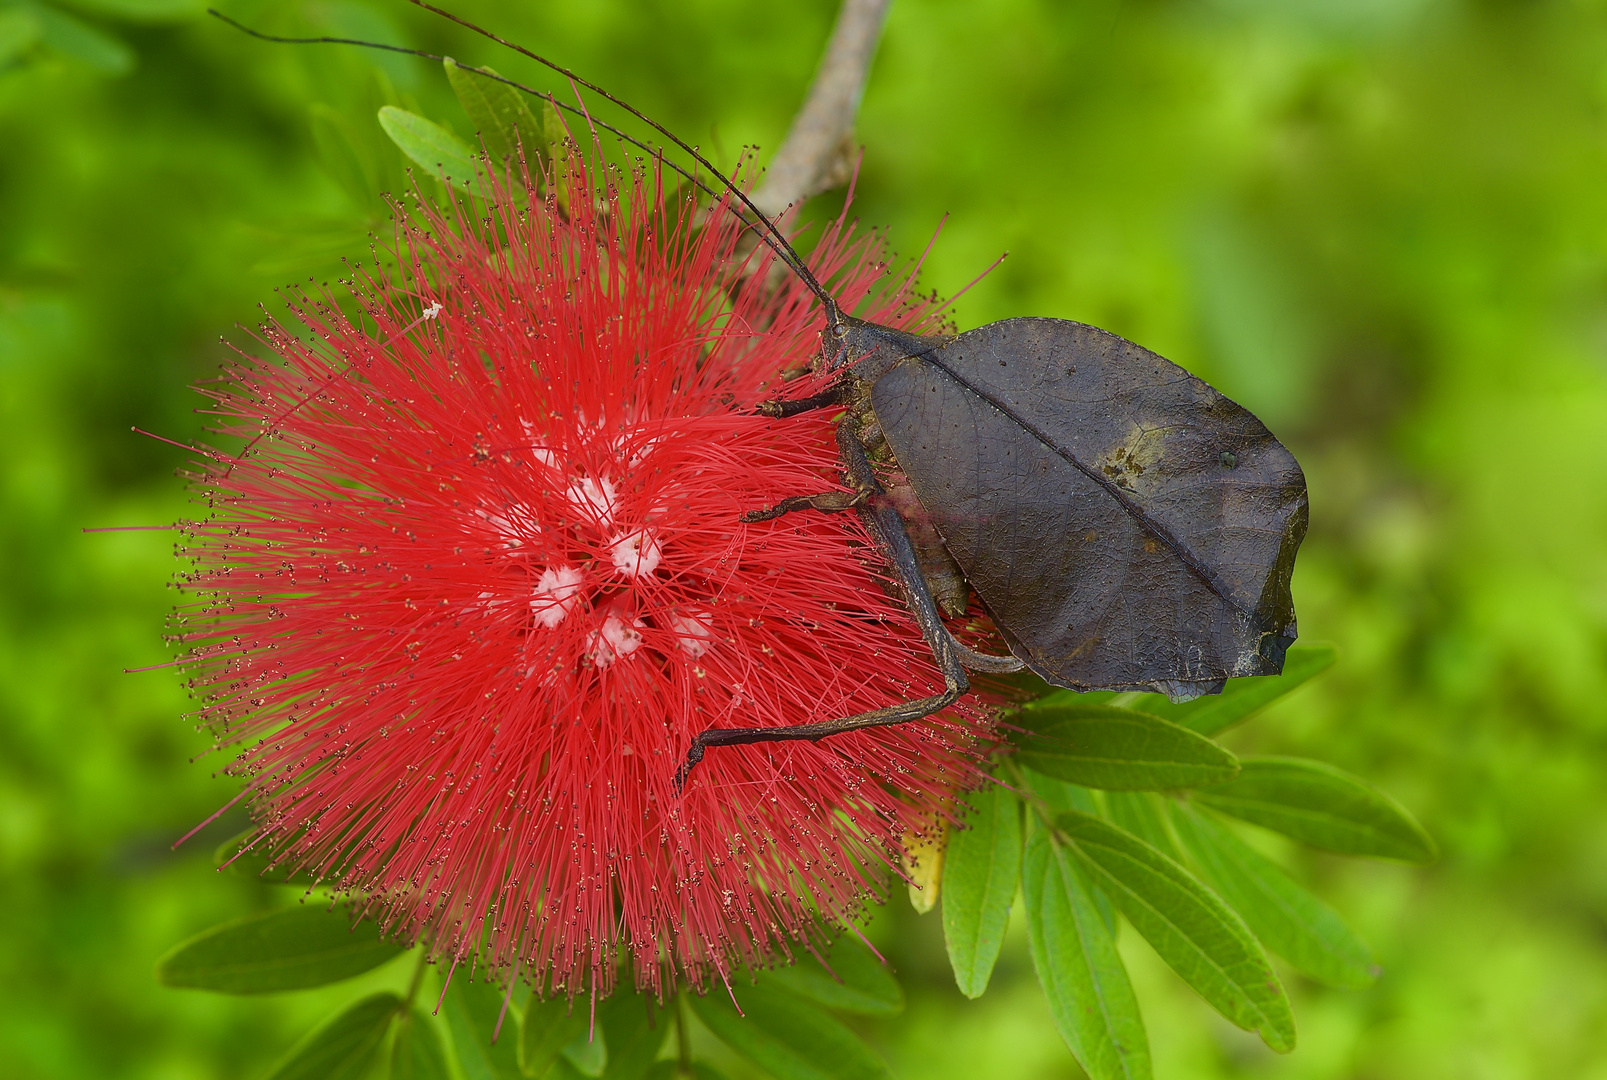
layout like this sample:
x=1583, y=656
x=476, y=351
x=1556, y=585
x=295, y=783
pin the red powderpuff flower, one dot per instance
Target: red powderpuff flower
x=482, y=575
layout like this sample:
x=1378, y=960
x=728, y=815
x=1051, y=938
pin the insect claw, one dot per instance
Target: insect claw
x=693, y=756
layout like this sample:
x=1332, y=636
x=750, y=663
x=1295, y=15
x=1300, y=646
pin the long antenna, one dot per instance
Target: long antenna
x=772, y=237
x=834, y=316
x=532, y=91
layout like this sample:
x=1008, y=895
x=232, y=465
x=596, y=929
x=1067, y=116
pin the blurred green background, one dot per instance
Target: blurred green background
x=1381, y=224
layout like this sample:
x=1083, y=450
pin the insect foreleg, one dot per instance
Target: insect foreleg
x=832, y=395
x=830, y=502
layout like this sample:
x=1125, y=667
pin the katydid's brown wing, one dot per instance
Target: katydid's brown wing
x=1126, y=526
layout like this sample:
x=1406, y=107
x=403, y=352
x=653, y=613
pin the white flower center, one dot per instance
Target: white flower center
x=515, y=524
x=635, y=554
x=693, y=631
x=594, y=497
x=554, y=596
x=615, y=641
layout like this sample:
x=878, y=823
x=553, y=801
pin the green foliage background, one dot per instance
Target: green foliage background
x=1381, y=224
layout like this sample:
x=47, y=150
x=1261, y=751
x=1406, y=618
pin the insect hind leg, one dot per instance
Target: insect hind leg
x=902, y=713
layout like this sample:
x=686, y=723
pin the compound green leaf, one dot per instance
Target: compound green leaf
x=1082, y=975
x=549, y=1026
x=1100, y=746
x=788, y=1037
x=1322, y=806
x=347, y=1048
x=1242, y=698
x=417, y=1053
x=981, y=870
x=633, y=1034
x=1202, y=939
x=497, y=110
x=446, y=157
x=274, y=951
x=852, y=979
x=472, y=1012
x=1288, y=919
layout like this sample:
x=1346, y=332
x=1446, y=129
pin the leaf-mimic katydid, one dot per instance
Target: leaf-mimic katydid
x=1123, y=524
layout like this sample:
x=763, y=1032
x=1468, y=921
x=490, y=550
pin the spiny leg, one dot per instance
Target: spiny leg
x=782, y=408
x=986, y=663
x=885, y=525
x=831, y=502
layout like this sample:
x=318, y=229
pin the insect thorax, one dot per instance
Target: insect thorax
x=944, y=578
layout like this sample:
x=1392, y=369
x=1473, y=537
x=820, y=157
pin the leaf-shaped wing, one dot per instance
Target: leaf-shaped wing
x=1127, y=526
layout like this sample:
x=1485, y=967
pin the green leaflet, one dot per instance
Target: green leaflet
x=1194, y=931
x=1241, y=698
x=633, y=1033
x=1063, y=796
x=549, y=1026
x=1288, y=919
x=290, y=949
x=1060, y=795
x=1322, y=806
x=981, y=870
x=1100, y=746
x=498, y=112
x=852, y=980
x=1081, y=973
x=416, y=1053
x=446, y=157
x=346, y=1048
x=472, y=1009
x=1143, y=814
x=786, y=1036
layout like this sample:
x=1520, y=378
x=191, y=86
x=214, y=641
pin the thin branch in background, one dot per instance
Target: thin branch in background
x=818, y=152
